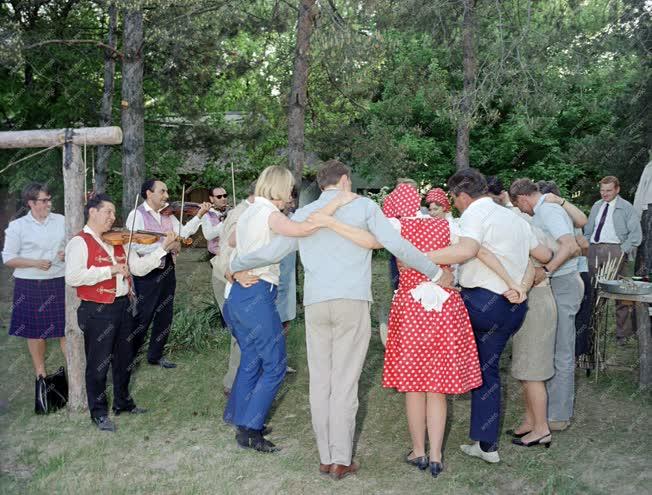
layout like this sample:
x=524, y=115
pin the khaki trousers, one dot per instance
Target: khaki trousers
x=337, y=339
x=600, y=253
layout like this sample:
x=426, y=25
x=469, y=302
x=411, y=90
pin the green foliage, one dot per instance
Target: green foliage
x=196, y=329
x=563, y=88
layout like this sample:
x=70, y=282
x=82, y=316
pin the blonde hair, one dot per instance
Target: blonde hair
x=275, y=183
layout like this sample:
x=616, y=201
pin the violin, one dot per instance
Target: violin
x=120, y=237
x=174, y=208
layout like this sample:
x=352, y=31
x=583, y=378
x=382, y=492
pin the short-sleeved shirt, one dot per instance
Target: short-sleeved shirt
x=253, y=232
x=26, y=237
x=554, y=221
x=502, y=232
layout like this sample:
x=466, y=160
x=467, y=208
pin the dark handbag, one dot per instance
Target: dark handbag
x=51, y=392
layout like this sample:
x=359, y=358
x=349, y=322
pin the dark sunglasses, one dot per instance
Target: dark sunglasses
x=221, y=196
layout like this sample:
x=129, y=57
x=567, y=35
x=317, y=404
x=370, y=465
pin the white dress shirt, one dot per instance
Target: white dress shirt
x=502, y=232
x=78, y=273
x=253, y=232
x=26, y=237
x=186, y=231
x=608, y=233
x=209, y=230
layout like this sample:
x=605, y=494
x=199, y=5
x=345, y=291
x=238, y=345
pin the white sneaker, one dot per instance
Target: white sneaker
x=475, y=451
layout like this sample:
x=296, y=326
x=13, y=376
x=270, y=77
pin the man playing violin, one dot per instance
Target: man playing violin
x=212, y=225
x=155, y=290
x=100, y=273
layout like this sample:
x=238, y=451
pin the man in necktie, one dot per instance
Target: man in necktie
x=613, y=230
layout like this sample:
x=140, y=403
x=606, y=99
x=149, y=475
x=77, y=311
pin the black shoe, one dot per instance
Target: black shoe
x=420, y=462
x=133, y=410
x=521, y=443
x=266, y=430
x=104, y=423
x=513, y=434
x=253, y=439
x=436, y=468
x=163, y=363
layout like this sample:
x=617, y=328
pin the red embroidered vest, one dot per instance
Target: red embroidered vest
x=102, y=292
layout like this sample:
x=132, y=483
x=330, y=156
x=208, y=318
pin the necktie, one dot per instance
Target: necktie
x=598, y=231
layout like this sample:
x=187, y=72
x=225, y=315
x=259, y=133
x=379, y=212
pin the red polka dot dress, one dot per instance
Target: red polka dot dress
x=429, y=351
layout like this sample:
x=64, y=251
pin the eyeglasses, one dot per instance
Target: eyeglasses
x=221, y=196
x=44, y=200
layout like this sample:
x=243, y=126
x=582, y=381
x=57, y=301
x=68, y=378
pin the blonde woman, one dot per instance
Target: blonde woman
x=251, y=307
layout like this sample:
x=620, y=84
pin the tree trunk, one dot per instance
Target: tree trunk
x=104, y=152
x=466, y=105
x=133, y=108
x=73, y=189
x=298, y=93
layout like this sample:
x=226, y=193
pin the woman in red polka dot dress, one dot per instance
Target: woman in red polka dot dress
x=431, y=350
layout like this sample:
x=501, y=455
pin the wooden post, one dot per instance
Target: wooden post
x=73, y=187
x=644, y=345
x=74, y=200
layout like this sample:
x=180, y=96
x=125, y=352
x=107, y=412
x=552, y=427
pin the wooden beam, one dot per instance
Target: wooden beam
x=90, y=136
x=73, y=187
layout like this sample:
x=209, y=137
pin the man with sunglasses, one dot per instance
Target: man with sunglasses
x=212, y=226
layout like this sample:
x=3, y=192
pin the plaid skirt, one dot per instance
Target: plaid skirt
x=39, y=309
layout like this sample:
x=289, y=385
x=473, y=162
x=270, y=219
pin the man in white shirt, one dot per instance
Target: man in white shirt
x=494, y=319
x=212, y=225
x=101, y=274
x=155, y=290
x=614, y=232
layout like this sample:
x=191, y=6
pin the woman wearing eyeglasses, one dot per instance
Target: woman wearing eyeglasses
x=34, y=248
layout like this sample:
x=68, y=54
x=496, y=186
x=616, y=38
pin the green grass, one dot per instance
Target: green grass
x=182, y=446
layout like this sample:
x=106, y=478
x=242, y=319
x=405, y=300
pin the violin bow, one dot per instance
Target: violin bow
x=132, y=293
x=183, y=195
x=131, y=230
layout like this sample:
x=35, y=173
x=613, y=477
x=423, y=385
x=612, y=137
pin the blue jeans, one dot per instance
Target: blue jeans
x=257, y=327
x=494, y=320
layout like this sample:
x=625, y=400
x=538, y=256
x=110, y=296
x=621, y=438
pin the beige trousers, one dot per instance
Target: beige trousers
x=337, y=339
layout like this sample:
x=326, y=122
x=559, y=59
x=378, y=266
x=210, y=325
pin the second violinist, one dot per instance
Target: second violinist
x=156, y=289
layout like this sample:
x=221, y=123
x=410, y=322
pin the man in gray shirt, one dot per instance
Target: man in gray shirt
x=337, y=294
x=567, y=289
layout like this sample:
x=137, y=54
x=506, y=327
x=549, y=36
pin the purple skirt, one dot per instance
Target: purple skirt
x=39, y=309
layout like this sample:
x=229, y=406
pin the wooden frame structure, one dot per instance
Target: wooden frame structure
x=74, y=177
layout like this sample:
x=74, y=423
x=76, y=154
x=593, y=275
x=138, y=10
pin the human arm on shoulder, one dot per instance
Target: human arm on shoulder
x=282, y=225
x=577, y=216
x=361, y=237
x=391, y=239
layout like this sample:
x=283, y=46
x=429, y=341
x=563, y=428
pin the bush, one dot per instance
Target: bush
x=197, y=329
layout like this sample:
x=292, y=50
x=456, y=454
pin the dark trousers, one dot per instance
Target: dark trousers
x=583, y=319
x=494, y=320
x=155, y=292
x=393, y=272
x=263, y=362
x=107, y=329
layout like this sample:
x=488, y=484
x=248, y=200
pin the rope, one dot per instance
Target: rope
x=29, y=156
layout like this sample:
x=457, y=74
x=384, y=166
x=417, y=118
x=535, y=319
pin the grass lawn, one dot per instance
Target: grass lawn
x=182, y=447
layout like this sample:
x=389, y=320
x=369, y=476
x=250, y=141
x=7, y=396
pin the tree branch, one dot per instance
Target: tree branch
x=99, y=44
